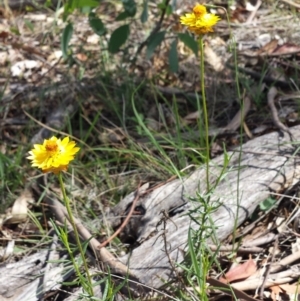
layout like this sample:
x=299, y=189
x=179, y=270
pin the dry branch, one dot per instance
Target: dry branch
x=263, y=165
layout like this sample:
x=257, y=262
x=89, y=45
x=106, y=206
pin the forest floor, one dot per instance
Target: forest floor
x=136, y=114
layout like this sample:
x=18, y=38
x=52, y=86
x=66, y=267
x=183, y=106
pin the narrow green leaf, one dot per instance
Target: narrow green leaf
x=29, y=25
x=144, y=15
x=118, y=38
x=105, y=292
x=173, y=57
x=195, y=263
x=154, y=42
x=65, y=39
x=189, y=41
x=96, y=24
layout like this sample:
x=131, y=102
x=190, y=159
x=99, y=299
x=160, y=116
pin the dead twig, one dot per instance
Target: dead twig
x=254, y=12
x=228, y=290
x=285, y=262
x=273, y=279
x=125, y=222
x=164, y=220
x=232, y=248
x=263, y=239
x=271, y=99
x=267, y=273
x=103, y=254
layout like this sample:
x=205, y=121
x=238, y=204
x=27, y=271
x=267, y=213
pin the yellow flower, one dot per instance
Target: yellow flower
x=199, y=21
x=53, y=155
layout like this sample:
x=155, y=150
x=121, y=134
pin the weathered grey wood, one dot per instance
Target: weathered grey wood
x=35, y=275
x=267, y=163
x=18, y=280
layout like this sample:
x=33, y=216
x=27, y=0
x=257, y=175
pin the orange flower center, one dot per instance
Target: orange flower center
x=51, y=146
x=199, y=10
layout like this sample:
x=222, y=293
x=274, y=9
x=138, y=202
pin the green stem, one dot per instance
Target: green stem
x=77, y=239
x=205, y=115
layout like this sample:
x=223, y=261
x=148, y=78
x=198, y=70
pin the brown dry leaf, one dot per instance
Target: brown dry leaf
x=191, y=117
x=81, y=57
x=4, y=34
x=238, y=15
x=247, y=131
x=19, y=210
x=268, y=48
x=287, y=48
x=240, y=272
x=213, y=59
x=275, y=291
x=290, y=288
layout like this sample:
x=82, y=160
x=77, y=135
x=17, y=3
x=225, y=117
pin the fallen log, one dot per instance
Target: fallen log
x=256, y=169
x=261, y=166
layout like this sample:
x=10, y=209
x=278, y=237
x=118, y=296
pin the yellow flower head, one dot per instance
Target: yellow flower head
x=53, y=155
x=199, y=21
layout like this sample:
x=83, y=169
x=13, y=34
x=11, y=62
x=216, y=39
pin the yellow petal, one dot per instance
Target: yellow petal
x=54, y=155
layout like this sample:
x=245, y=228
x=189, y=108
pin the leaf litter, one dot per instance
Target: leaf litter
x=268, y=46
